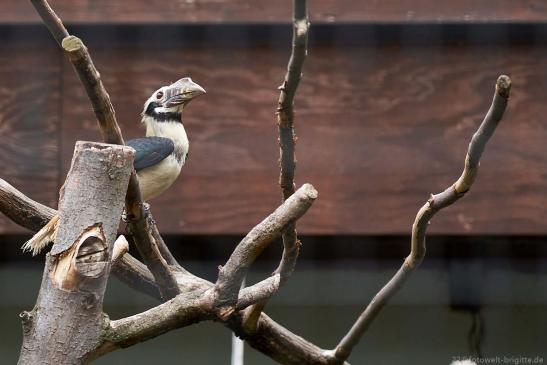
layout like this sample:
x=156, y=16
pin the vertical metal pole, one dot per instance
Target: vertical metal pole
x=238, y=345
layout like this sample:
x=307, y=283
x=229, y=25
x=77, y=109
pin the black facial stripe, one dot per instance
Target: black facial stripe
x=150, y=109
x=161, y=117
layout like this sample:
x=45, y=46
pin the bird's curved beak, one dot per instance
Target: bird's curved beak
x=181, y=92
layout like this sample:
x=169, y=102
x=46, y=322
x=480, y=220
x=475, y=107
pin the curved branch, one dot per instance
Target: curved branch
x=23, y=210
x=183, y=310
x=258, y=292
x=136, y=275
x=287, y=137
x=433, y=205
x=232, y=274
x=268, y=337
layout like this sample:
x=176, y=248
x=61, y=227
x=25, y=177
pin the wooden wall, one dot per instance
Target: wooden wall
x=390, y=98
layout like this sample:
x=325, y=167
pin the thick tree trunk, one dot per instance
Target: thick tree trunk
x=67, y=323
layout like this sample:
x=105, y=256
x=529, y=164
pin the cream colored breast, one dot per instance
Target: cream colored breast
x=154, y=180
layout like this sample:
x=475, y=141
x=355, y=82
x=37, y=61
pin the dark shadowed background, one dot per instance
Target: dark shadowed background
x=391, y=94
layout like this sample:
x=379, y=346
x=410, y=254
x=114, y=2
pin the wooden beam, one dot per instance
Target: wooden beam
x=261, y=11
x=382, y=124
x=30, y=123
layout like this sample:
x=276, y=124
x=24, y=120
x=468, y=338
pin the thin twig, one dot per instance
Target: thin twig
x=234, y=271
x=51, y=20
x=287, y=137
x=285, y=121
x=434, y=204
x=287, y=141
x=148, y=239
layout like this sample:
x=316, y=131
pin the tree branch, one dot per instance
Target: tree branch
x=23, y=210
x=287, y=141
x=50, y=19
x=183, y=310
x=32, y=215
x=287, y=137
x=232, y=274
x=268, y=337
x=433, y=205
x=91, y=81
x=147, y=237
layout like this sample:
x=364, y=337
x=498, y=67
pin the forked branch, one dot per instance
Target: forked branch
x=234, y=271
x=268, y=336
x=433, y=205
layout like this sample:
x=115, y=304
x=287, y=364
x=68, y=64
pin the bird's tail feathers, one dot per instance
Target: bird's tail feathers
x=43, y=237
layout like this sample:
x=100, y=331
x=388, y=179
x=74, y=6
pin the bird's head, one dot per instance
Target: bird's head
x=168, y=102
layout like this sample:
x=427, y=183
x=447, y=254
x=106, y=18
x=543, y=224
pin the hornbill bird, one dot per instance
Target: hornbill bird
x=162, y=153
x=159, y=156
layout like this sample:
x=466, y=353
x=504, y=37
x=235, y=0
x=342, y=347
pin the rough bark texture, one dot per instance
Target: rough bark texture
x=67, y=322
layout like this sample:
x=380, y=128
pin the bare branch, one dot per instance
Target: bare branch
x=280, y=344
x=267, y=337
x=23, y=210
x=287, y=137
x=51, y=20
x=148, y=239
x=234, y=271
x=287, y=141
x=258, y=292
x=136, y=275
x=433, y=205
x=32, y=215
x=183, y=310
x=91, y=80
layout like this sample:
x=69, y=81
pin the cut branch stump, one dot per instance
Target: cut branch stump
x=67, y=322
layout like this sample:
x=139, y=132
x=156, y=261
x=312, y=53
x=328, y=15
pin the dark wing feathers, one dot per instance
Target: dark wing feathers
x=150, y=150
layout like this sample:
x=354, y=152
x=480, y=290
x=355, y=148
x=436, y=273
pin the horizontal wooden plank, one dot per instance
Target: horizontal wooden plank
x=379, y=129
x=215, y=11
x=29, y=123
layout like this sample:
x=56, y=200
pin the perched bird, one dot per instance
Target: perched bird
x=159, y=156
x=162, y=153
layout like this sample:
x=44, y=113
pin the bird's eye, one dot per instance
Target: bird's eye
x=159, y=95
